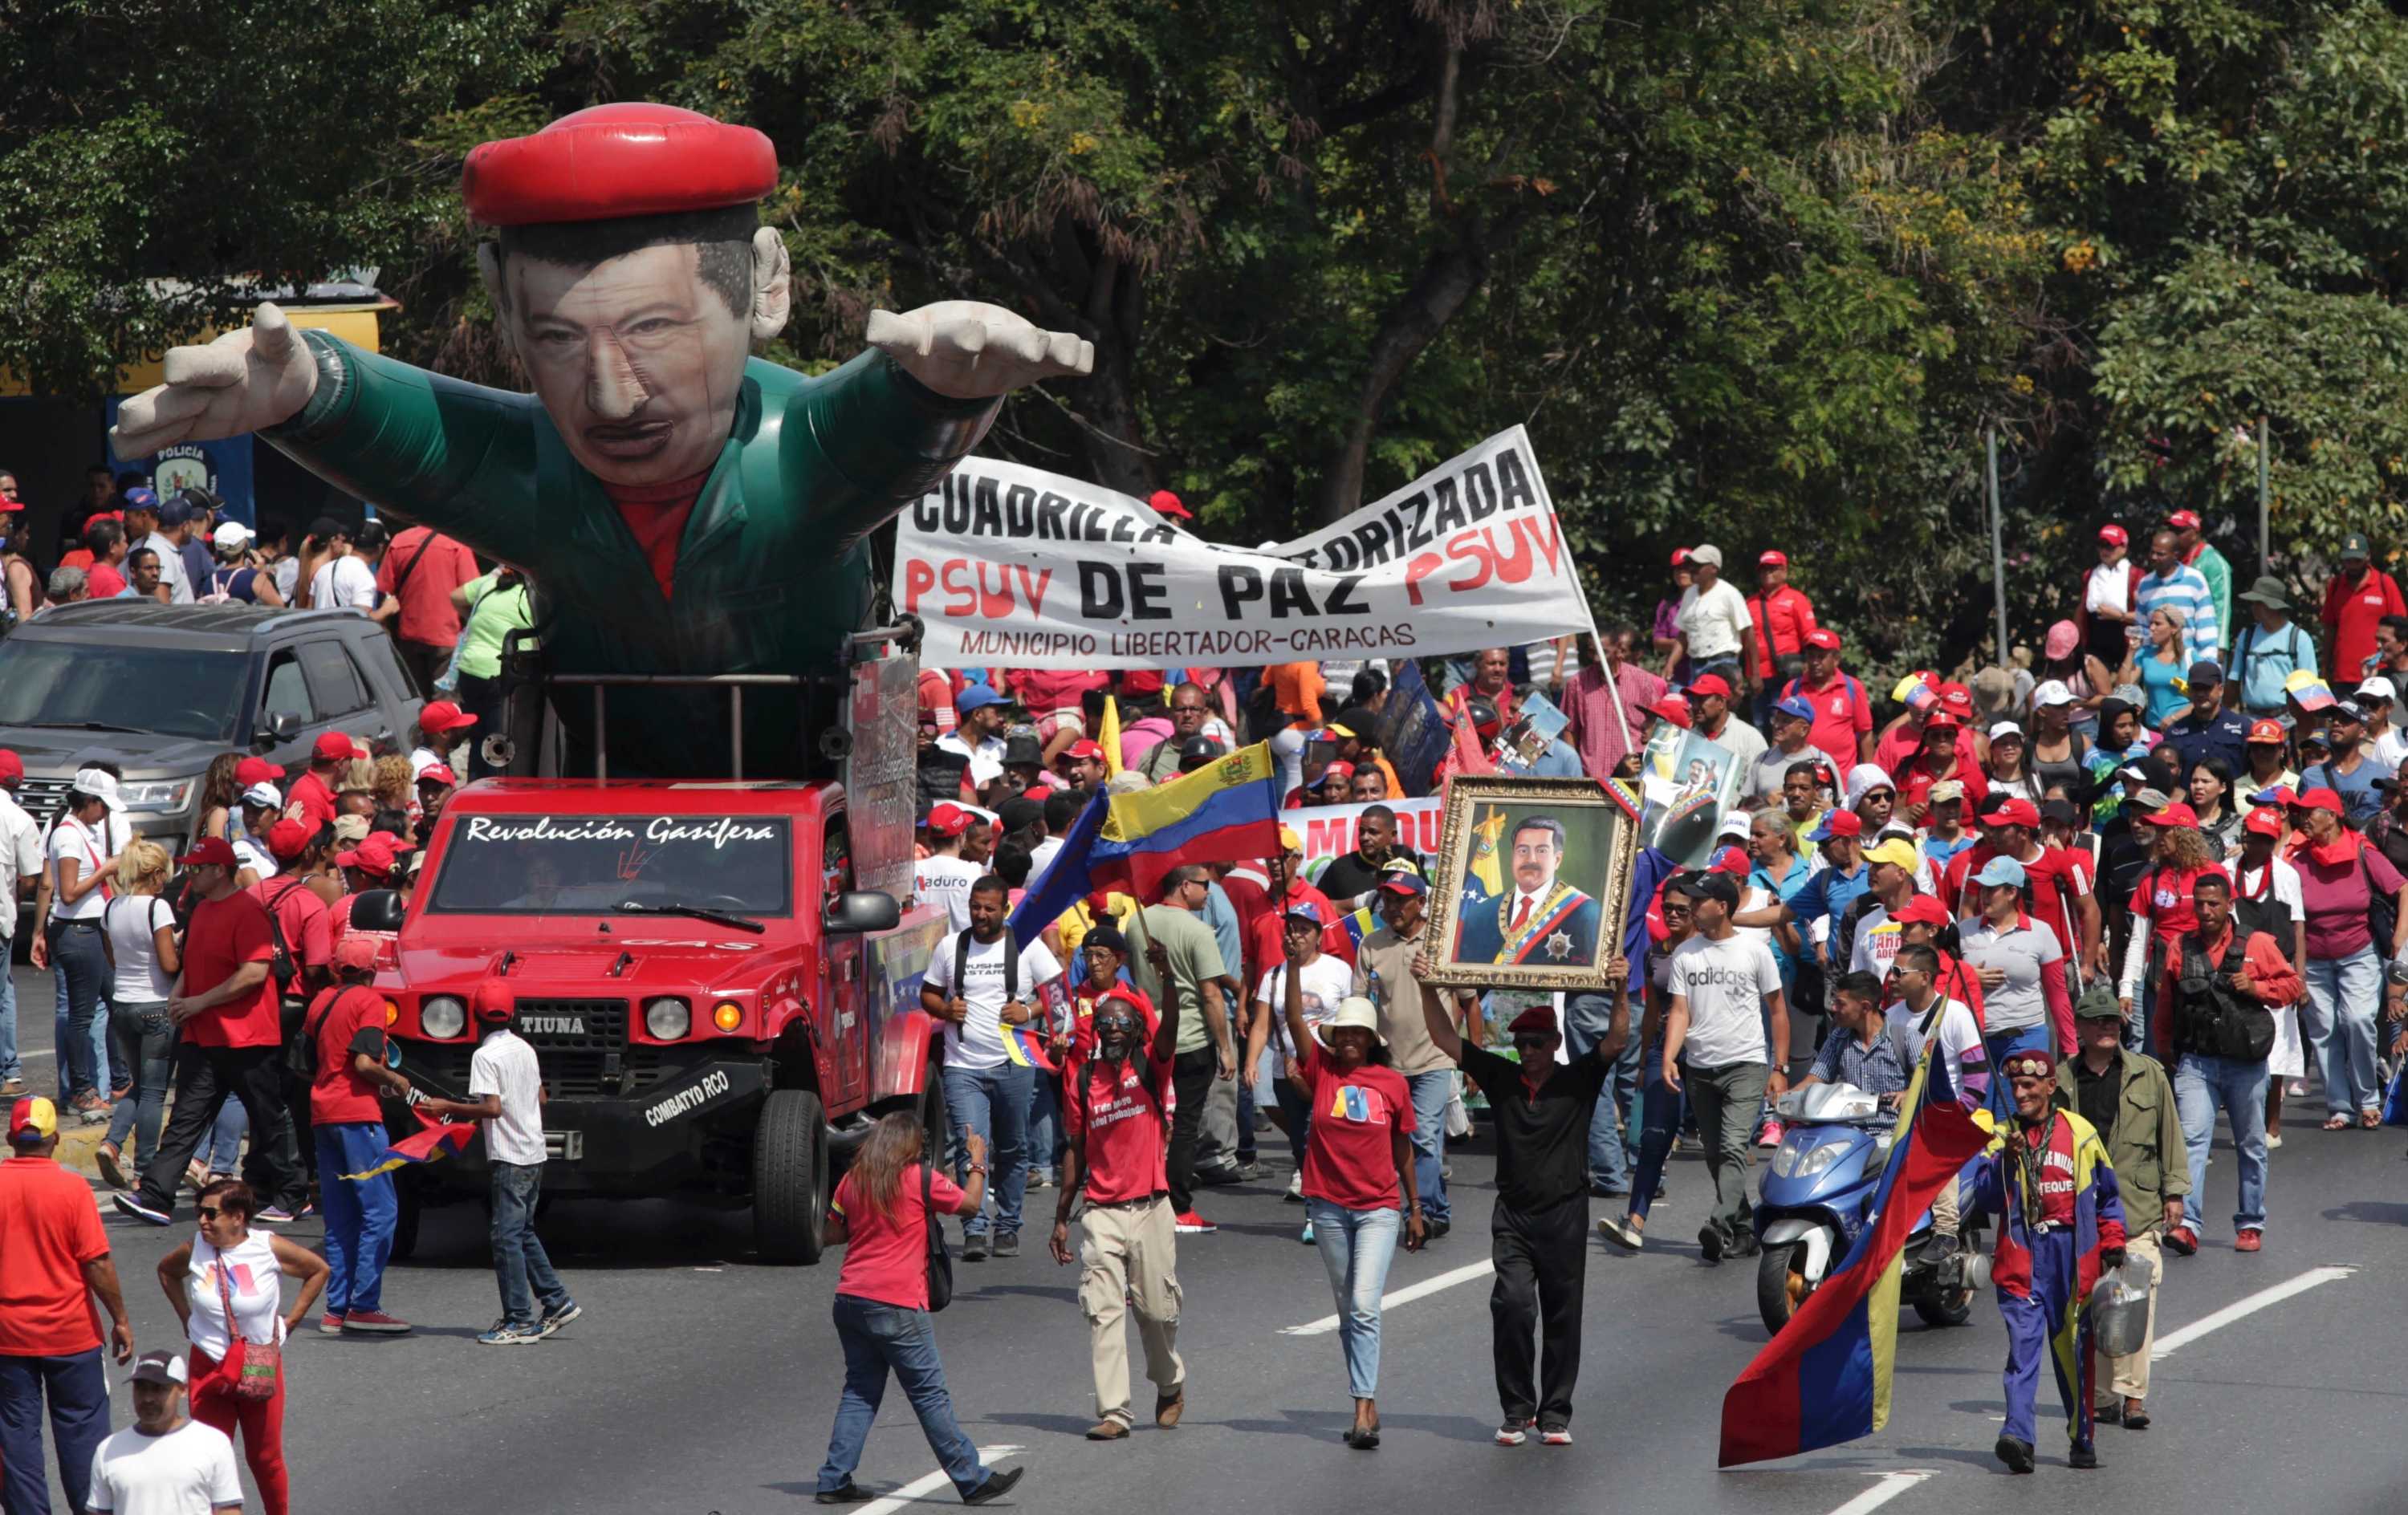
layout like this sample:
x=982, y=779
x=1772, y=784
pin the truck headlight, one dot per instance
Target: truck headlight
x=727, y=1015
x=445, y=1015
x=160, y=796
x=667, y=1020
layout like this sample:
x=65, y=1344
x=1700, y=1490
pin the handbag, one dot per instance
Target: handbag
x=252, y=1368
x=940, y=1264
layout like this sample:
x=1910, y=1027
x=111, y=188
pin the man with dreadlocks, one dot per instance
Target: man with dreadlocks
x=1117, y=1097
x=2064, y=1225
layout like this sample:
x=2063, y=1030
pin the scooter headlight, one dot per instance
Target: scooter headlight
x=1815, y=1159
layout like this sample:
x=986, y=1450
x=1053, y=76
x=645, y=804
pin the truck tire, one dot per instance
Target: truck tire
x=790, y=1177
x=936, y=1122
x=1776, y=1277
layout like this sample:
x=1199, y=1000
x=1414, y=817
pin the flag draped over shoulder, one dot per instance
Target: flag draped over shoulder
x=1825, y=1378
x=1225, y=812
x=432, y=1139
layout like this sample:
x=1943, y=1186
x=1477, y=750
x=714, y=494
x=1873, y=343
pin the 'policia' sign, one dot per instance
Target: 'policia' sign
x=1010, y=566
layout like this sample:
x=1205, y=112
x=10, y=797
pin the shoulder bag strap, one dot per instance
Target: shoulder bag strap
x=402, y=577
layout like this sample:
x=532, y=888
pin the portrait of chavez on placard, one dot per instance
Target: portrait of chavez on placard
x=1532, y=882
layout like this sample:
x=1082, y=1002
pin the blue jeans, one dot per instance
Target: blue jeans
x=520, y=1263
x=2202, y=1084
x=82, y=968
x=878, y=1338
x=1044, y=1124
x=2344, y=997
x=77, y=1387
x=1660, y=1115
x=1429, y=1092
x=1298, y=1112
x=1587, y=1019
x=11, y=1066
x=360, y=1214
x=148, y=1028
x=101, y=1050
x=1356, y=1246
x=223, y=1149
x=993, y=1102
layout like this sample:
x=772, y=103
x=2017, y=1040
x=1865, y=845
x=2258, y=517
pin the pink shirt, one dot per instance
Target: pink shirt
x=1592, y=724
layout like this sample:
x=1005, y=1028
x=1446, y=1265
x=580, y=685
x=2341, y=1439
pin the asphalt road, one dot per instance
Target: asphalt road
x=699, y=1381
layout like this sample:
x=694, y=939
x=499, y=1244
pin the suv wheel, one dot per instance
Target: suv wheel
x=790, y=1177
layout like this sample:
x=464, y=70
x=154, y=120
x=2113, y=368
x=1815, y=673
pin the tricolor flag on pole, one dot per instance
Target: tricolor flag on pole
x=432, y=1139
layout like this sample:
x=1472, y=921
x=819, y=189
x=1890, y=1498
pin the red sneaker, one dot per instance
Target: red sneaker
x=1189, y=1224
x=2182, y=1241
x=2248, y=1241
x=330, y=1324
x=376, y=1321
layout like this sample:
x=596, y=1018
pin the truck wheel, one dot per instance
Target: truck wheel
x=405, y=1218
x=790, y=1177
x=936, y=1123
x=1780, y=1288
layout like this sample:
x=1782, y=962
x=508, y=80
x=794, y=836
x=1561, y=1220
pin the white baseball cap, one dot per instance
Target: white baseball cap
x=2052, y=693
x=232, y=535
x=2377, y=687
x=265, y=794
x=100, y=784
x=1708, y=553
x=2005, y=728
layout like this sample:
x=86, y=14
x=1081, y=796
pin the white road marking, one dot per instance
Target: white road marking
x=1327, y=1324
x=1890, y=1487
x=2168, y=1345
x=910, y=1494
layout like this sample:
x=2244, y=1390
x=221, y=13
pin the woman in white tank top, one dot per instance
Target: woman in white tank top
x=139, y=936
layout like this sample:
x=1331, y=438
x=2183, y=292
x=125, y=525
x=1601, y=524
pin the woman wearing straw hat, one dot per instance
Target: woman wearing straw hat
x=1358, y=1161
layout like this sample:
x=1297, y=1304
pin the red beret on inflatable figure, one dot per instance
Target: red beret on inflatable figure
x=679, y=507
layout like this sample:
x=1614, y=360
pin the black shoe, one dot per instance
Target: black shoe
x=996, y=1486
x=1709, y=1242
x=1436, y=1230
x=852, y=1494
x=1217, y=1176
x=2083, y=1457
x=1006, y=1244
x=974, y=1247
x=2017, y=1455
x=1363, y=1439
x=1249, y=1170
x=2109, y=1414
x=1743, y=1245
x=2134, y=1415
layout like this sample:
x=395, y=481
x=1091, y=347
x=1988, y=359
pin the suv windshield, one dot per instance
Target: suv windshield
x=592, y=865
x=172, y=691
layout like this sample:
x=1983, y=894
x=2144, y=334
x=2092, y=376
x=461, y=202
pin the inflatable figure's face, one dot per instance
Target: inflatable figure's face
x=638, y=358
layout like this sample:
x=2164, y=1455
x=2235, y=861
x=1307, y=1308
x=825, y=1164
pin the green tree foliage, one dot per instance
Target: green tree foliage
x=1760, y=272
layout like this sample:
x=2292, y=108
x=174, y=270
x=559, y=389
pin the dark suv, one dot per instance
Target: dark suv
x=161, y=689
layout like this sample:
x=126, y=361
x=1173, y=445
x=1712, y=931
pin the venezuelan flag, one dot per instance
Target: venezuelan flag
x=1228, y=812
x=432, y=1139
x=1825, y=1378
x=1343, y=937
x=1484, y=865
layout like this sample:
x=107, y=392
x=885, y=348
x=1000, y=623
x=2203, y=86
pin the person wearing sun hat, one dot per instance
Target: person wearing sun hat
x=2269, y=649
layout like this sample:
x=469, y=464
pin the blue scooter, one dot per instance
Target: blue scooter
x=1814, y=1200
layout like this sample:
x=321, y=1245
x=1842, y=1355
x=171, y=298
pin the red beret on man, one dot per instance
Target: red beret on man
x=1538, y=1020
x=606, y=162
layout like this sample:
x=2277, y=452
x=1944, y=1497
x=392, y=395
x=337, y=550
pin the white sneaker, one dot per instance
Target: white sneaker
x=1622, y=1234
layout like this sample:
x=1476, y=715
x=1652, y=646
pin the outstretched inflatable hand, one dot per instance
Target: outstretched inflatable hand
x=968, y=350
x=243, y=382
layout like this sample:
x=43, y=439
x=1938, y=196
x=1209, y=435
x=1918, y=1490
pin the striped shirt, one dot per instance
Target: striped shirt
x=1877, y=1069
x=2185, y=590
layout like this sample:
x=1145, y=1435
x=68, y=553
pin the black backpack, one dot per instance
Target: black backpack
x=1011, y=964
x=1844, y=951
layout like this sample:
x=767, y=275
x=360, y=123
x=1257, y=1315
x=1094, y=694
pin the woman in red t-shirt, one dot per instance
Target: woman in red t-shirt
x=882, y=1304
x=2162, y=913
x=1360, y=1156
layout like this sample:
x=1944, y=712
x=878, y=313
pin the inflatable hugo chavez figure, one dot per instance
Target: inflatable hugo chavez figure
x=680, y=507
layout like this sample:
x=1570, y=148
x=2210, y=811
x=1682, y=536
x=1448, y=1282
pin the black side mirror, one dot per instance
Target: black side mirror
x=379, y=909
x=279, y=727
x=853, y=912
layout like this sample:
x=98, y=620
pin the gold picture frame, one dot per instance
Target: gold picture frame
x=1487, y=927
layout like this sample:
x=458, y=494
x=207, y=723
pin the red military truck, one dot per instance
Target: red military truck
x=721, y=1013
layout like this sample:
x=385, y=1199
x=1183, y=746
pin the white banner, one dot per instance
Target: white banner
x=1328, y=831
x=1010, y=566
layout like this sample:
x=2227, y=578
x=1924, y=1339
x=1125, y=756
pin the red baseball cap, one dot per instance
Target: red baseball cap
x=11, y=765
x=2179, y=814
x=2265, y=820
x=949, y=820
x=1837, y=823
x=2183, y=521
x=1680, y=557
x=1772, y=558
x=210, y=852
x=1921, y=910
x=2115, y=535
x=2267, y=731
x=357, y=950
x=257, y=770
x=1712, y=683
x=437, y=772
x=2320, y=798
x=1943, y=721
x=493, y=1001
x=444, y=716
x=607, y=163
x=334, y=747
x=1956, y=700
x=1167, y=504
x=1334, y=770
x=374, y=855
x=1824, y=637
x=2016, y=813
x=1084, y=749
x=287, y=840
x=1672, y=707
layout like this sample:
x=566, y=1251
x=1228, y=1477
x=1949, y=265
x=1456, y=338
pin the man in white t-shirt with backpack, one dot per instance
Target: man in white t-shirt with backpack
x=982, y=987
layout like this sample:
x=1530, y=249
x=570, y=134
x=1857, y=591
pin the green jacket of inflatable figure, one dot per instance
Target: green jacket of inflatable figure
x=771, y=573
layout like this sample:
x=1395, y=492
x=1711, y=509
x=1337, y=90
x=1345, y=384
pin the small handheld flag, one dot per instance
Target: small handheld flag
x=432, y=1139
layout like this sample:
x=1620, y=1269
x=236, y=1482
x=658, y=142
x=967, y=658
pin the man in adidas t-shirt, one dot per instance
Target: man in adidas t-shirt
x=983, y=988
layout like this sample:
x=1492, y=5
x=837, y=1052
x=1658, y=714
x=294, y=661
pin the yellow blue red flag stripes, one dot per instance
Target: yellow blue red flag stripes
x=1228, y=812
x=1825, y=1378
x=432, y=1139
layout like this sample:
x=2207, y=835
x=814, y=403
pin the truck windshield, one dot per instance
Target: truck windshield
x=76, y=685
x=593, y=864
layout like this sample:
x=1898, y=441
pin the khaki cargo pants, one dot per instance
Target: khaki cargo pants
x=1129, y=1255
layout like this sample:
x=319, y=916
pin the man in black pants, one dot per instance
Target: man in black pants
x=1541, y=1224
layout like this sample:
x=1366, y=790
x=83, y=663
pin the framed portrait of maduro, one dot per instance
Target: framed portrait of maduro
x=1531, y=884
